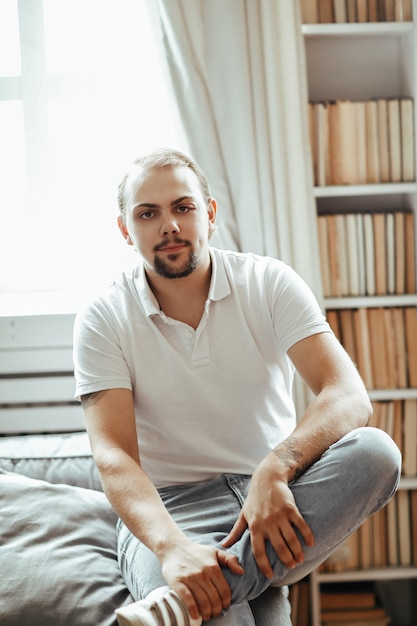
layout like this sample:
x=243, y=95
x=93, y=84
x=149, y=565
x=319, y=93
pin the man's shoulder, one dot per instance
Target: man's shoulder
x=248, y=261
x=112, y=297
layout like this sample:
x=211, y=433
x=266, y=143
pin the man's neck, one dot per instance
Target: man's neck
x=183, y=298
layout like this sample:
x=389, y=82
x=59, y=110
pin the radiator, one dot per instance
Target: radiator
x=36, y=375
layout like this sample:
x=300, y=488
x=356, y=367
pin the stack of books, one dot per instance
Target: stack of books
x=345, y=605
x=367, y=254
x=381, y=341
x=358, y=143
x=340, y=11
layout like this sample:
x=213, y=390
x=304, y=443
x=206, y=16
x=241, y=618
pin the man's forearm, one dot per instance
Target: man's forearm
x=136, y=501
x=329, y=417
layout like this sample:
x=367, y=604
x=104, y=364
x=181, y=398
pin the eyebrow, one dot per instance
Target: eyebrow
x=150, y=205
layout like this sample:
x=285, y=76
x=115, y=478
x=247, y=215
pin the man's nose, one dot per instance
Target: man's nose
x=169, y=227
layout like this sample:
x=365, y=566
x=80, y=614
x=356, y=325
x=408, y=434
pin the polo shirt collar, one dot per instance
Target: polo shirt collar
x=219, y=284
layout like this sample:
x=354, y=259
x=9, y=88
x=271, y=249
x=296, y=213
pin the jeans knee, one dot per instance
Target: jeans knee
x=378, y=456
x=379, y=448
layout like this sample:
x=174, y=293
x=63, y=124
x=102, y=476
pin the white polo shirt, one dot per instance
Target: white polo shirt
x=211, y=400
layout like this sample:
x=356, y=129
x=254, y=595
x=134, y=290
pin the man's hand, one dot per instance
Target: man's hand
x=270, y=512
x=194, y=572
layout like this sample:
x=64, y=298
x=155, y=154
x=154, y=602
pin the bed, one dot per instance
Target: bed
x=58, y=553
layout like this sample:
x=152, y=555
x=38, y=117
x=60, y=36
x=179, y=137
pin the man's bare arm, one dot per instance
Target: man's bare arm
x=340, y=405
x=193, y=571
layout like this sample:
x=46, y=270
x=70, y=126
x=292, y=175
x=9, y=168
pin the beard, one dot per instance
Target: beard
x=165, y=270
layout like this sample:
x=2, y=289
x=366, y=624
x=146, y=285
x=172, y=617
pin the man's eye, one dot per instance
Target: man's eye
x=146, y=215
x=183, y=209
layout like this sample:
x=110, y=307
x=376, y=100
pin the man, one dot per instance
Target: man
x=184, y=368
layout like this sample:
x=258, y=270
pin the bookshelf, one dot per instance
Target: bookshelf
x=363, y=61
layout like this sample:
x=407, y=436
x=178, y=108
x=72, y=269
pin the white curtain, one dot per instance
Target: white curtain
x=237, y=68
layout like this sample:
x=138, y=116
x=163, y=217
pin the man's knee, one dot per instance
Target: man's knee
x=375, y=455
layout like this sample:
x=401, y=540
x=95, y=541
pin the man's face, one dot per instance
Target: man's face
x=167, y=220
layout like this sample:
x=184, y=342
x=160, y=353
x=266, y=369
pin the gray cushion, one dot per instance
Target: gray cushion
x=57, y=458
x=57, y=555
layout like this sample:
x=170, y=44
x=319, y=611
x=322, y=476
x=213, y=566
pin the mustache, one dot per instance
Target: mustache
x=168, y=242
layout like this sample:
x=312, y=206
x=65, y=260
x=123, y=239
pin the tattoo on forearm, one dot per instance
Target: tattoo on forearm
x=291, y=456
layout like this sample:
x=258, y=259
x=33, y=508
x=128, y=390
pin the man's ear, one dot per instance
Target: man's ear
x=212, y=211
x=124, y=231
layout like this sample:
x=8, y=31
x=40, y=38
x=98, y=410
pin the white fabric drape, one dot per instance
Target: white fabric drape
x=238, y=72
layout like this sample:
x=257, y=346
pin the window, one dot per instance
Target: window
x=83, y=90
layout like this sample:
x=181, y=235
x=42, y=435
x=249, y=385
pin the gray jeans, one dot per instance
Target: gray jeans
x=353, y=479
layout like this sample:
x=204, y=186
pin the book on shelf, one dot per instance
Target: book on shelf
x=409, y=447
x=410, y=260
x=394, y=134
x=373, y=10
x=333, y=319
x=392, y=533
x=410, y=323
x=359, y=11
x=407, y=139
x=342, y=11
x=413, y=496
x=399, y=237
x=333, y=229
x=355, y=143
x=379, y=539
x=326, y=15
x=389, y=6
x=380, y=251
x=372, y=144
x=378, y=347
x=400, y=349
x=360, y=262
x=361, y=142
x=324, y=256
x=390, y=252
x=390, y=350
x=310, y=11
x=369, y=254
x=398, y=422
x=348, y=595
x=320, y=119
x=383, y=140
x=348, y=332
x=351, y=615
x=342, y=252
x=353, y=255
x=404, y=527
x=363, y=344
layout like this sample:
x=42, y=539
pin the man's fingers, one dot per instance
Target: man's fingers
x=203, y=600
x=188, y=598
x=229, y=560
x=285, y=542
x=237, y=531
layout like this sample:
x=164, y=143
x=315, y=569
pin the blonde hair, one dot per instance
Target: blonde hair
x=162, y=157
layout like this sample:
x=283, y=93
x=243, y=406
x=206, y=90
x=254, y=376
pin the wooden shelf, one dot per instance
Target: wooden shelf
x=384, y=395
x=383, y=573
x=355, y=29
x=333, y=191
